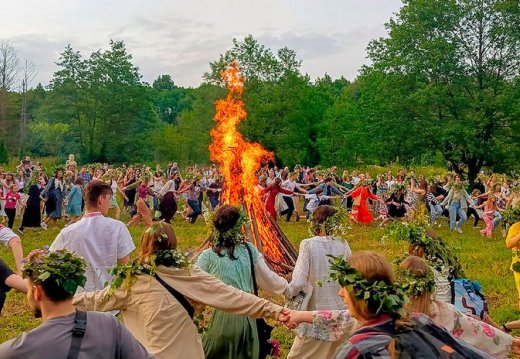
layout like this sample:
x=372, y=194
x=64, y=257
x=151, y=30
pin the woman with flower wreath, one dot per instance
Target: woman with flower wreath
x=234, y=336
x=272, y=190
x=444, y=263
x=53, y=197
x=360, y=212
x=312, y=266
x=143, y=213
x=395, y=204
x=457, y=201
x=160, y=291
x=419, y=284
x=377, y=307
x=32, y=214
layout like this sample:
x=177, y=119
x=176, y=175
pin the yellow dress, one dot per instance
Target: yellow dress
x=514, y=231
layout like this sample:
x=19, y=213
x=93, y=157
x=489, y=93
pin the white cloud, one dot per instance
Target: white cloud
x=180, y=38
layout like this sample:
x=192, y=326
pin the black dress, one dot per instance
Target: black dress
x=130, y=194
x=396, y=211
x=32, y=214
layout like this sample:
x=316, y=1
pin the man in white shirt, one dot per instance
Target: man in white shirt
x=101, y=241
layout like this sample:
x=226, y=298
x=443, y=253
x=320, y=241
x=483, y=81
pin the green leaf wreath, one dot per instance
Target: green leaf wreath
x=339, y=224
x=233, y=235
x=437, y=252
x=413, y=285
x=124, y=275
x=65, y=268
x=381, y=297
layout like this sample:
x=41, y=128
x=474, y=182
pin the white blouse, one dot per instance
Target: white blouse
x=312, y=266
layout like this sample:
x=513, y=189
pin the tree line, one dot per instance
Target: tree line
x=442, y=87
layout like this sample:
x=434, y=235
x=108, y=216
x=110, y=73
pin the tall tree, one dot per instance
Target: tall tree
x=28, y=75
x=9, y=67
x=103, y=100
x=170, y=100
x=256, y=62
x=456, y=61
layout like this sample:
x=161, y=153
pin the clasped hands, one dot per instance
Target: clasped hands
x=292, y=318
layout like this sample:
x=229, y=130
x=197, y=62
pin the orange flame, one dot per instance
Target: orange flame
x=239, y=161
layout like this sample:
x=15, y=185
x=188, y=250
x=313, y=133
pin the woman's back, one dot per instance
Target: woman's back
x=312, y=266
x=235, y=272
x=231, y=336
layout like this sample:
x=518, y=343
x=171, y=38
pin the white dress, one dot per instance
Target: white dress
x=312, y=266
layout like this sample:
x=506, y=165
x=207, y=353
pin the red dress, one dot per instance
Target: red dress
x=273, y=190
x=361, y=213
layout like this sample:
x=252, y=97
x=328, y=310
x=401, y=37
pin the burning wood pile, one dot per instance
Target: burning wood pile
x=239, y=161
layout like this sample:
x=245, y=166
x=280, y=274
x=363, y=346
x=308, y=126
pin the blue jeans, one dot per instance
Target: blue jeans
x=214, y=202
x=194, y=204
x=435, y=212
x=497, y=219
x=455, y=209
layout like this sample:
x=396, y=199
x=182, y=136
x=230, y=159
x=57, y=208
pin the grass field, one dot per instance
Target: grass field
x=486, y=260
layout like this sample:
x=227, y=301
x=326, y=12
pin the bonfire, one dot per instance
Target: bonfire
x=239, y=161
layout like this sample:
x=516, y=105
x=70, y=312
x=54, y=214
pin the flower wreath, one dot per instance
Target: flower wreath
x=66, y=269
x=124, y=275
x=412, y=284
x=381, y=297
x=234, y=235
x=339, y=223
x=436, y=251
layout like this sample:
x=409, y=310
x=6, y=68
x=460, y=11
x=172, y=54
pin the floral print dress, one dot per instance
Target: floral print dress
x=331, y=325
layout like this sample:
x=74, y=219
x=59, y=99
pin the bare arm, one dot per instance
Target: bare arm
x=16, y=246
x=15, y=281
x=513, y=240
x=124, y=260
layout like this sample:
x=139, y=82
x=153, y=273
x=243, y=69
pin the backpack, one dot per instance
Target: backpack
x=468, y=299
x=420, y=339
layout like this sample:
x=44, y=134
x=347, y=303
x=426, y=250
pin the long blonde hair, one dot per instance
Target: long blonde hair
x=419, y=269
x=373, y=267
x=156, y=238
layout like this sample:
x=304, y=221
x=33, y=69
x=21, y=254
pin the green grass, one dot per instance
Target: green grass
x=486, y=260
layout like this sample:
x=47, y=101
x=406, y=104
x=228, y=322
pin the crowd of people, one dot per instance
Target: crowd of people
x=41, y=197
x=159, y=291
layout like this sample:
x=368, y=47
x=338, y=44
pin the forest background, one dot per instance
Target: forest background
x=443, y=87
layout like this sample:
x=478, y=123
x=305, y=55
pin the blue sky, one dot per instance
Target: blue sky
x=180, y=38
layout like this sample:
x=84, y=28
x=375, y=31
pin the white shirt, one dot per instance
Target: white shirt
x=314, y=201
x=269, y=181
x=390, y=184
x=101, y=241
x=290, y=185
x=6, y=234
x=313, y=266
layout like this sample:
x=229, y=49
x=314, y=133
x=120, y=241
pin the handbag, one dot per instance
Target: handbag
x=301, y=300
x=264, y=329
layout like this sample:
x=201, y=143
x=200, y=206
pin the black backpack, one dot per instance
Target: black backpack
x=422, y=340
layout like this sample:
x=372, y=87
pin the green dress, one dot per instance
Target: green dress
x=229, y=335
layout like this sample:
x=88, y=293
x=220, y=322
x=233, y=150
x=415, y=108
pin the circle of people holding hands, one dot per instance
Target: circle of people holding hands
x=341, y=304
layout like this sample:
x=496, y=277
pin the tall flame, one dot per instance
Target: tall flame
x=239, y=162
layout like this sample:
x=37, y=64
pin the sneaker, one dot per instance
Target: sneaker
x=458, y=230
x=43, y=225
x=20, y=231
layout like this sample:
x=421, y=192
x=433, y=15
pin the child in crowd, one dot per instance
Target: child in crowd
x=11, y=200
